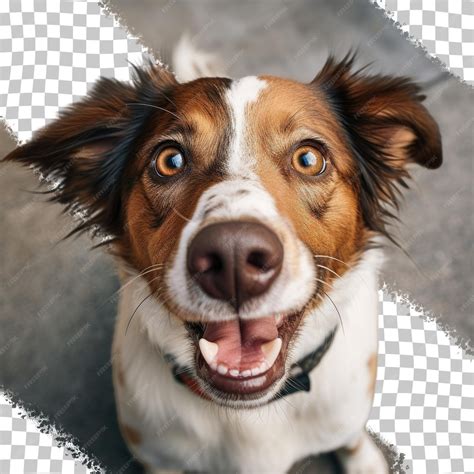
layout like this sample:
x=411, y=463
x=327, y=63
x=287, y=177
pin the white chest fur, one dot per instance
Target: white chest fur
x=178, y=429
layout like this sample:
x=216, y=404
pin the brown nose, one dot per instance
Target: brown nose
x=235, y=261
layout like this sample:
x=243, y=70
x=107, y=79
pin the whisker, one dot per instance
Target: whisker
x=324, y=282
x=278, y=408
x=156, y=107
x=141, y=302
x=332, y=258
x=149, y=267
x=293, y=385
x=335, y=307
x=152, y=268
x=136, y=309
x=144, y=272
x=328, y=269
x=181, y=215
x=344, y=263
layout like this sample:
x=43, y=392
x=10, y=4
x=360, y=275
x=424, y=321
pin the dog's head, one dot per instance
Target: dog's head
x=239, y=201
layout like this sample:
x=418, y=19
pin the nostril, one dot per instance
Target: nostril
x=208, y=263
x=258, y=260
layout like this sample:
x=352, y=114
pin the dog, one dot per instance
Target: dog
x=246, y=218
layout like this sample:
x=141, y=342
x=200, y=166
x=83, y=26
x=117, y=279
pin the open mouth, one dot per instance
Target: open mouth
x=243, y=358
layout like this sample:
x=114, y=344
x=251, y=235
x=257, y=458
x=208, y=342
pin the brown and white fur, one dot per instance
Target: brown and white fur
x=238, y=137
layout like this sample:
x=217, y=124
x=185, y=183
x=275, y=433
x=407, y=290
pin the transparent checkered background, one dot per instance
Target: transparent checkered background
x=424, y=397
x=25, y=449
x=444, y=27
x=50, y=55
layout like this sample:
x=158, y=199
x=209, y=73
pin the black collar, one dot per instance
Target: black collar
x=298, y=380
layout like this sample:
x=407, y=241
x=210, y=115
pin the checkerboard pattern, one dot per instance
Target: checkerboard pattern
x=444, y=27
x=51, y=52
x=424, y=400
x=25, y=449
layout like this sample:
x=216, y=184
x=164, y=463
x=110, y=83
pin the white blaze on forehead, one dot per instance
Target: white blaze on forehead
x=242, y=93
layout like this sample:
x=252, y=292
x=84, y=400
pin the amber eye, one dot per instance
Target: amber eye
x=169, y=162
x=308, y=160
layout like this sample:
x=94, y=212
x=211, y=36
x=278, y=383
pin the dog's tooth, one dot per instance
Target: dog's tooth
x=246, y=373
x=271, y=350
x=234, y=373
x=278, y=319
x=208, y=350
x=255, y=371
x=221, y=369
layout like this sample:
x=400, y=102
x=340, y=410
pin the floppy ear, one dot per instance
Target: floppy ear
x=86, y=150
x=387, y=127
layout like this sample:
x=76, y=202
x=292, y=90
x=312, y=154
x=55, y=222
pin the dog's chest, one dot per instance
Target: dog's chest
x=190, y=433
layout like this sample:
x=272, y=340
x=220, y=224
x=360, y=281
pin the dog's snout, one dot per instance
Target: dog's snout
x=235, y=261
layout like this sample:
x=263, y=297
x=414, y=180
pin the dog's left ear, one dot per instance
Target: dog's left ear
x=382, y=112
x=86, y=150
x=387, y=128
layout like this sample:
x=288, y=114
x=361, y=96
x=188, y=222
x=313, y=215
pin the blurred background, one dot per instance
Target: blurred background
x=52, y=292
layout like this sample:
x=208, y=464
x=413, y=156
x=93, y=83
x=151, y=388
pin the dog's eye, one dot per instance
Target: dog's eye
x=308, y=160
x=169, y=162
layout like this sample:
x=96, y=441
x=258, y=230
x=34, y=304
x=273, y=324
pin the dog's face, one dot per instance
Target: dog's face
x=238, y=201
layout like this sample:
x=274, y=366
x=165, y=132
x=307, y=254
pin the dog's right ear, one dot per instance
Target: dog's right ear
x=387, y=128
x=86, y=150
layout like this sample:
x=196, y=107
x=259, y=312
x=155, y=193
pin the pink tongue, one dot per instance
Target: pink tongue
x=240, y=341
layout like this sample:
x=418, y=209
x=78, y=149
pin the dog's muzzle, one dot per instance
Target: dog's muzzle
x=234, y=262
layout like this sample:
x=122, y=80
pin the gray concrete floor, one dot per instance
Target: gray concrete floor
x=56, y=308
